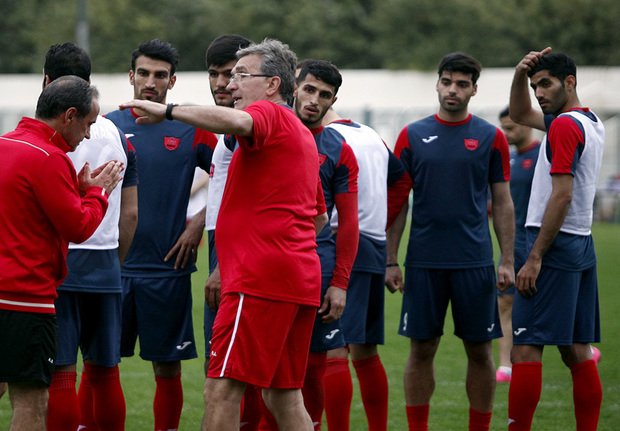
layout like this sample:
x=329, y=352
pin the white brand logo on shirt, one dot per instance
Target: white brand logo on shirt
x=429, y=139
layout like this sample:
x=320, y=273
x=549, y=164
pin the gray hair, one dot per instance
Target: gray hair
x=277, y=59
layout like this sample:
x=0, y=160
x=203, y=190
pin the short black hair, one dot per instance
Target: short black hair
x=67, y=59
x=557, y=64
x=323, y=70
x=66, y=92
x=505, y=113
x=224, y=49
x=157, y=50
x=460, y=62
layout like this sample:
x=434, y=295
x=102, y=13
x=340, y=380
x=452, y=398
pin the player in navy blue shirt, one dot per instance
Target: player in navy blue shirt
x=157, y=302
x=451, y=158
x=522, y=164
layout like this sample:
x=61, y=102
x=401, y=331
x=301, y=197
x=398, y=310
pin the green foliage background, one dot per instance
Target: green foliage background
x=362, y=34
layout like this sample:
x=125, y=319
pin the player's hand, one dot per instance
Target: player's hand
x=334, y=301
x=531, y=60
x=394, y=279
x=186, y=247
x=213, y=289
x=505, y=277
x=106, y=176
x=155, y=112
x=526, y=277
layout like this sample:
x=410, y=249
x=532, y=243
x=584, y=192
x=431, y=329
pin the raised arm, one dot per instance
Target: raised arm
x=521, y=109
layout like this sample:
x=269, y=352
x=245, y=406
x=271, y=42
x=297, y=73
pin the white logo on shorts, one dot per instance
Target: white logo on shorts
x=518, y=331
x=213, y=353
x=184, y=345
x=332, y=334
x=405, y=321
x=490, y=328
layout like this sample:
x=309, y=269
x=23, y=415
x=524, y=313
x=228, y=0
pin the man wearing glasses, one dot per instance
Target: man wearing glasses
x=270, y=271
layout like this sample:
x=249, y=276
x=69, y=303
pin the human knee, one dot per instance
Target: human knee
x=167, y=370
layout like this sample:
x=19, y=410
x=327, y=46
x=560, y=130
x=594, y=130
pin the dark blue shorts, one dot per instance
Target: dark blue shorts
x=363, y=319
x=90, y=322
x=564, y=310
x=27, y=346
x=471, y=293
x=159, y=312
x=326, y=336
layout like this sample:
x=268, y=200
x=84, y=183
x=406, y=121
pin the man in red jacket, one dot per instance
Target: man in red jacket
x=44, y=205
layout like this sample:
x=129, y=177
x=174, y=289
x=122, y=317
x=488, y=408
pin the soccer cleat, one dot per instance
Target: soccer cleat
x=502, y=377
x=596, y=354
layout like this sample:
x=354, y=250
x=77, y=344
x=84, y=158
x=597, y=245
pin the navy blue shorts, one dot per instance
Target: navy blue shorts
x=90, y=322
x=471, y=293
x=363, y=319
x=159, y=312
x=326, y=336
x=564, y=310
x=27, y=346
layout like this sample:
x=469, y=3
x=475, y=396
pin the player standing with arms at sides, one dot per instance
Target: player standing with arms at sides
x=89, y=303
x=156, y=274
x=221, y=57
x=451, y=158
x=522, y=163
x=37, y=179
x=270, y=271
x=363, y=317
x=558, y=289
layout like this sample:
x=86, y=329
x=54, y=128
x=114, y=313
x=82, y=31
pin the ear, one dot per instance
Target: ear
x=475, y=90
x=274, y=85
x=69, y=115
x=131, y=77
x=173, y=80
x=569, y=82
x=47, y=80
x=334, y=101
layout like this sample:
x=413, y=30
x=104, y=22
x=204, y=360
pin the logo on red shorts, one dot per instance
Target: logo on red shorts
x=171, y=143
x=471, y=144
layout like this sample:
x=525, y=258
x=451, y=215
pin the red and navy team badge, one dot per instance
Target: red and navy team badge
x=322, y=158
x=171, y=143
x=471, y=144
x=527, y=163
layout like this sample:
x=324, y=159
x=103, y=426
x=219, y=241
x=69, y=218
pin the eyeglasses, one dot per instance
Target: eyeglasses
x=237, y=77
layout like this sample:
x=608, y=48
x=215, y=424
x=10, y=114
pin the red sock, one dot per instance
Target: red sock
x=374, y=389
x=417, y=417
x=523, y=395
x=63, y=411
x=587, y=395
x=314, y=387
x=108, y=401
x=479, y=421
x=251, y=410
x=168, y=403
x=85, y=399
x=338, y=393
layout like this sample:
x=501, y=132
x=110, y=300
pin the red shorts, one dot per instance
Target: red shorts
x=260, y=341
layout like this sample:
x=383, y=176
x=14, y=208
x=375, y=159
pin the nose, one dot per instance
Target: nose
x=222, y=81
x=150, y=81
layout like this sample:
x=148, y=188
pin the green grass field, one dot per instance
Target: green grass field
x=449, y=404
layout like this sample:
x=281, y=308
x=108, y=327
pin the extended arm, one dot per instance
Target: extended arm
x=216, y=119
x=504, y=226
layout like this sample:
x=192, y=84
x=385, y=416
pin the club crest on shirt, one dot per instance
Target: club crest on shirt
x=171, y=143
x=322, y=158
x=527, y=163
x=471, y=144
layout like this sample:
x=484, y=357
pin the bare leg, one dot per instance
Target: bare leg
x=287, y=406
x=480, y=375
x=3, y=388
x=223, y=404
x=420, y=373
x=505, y=316
x=29, y=402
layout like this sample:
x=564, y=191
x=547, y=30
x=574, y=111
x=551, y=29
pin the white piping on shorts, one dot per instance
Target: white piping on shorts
x=234, y=334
